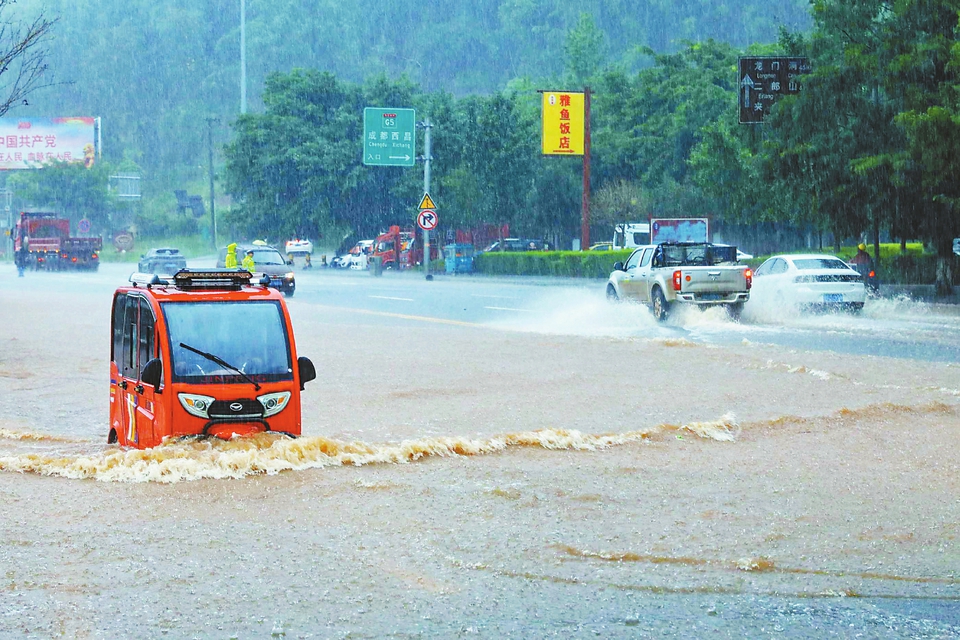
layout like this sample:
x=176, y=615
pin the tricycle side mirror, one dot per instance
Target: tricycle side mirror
x=307, y=371
x=152, y=373
x=618, y=266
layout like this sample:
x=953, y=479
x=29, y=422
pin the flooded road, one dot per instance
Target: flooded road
x=566, y=471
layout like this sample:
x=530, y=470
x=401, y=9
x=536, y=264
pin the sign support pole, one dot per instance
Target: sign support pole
x=426, y=189
x=585, y=218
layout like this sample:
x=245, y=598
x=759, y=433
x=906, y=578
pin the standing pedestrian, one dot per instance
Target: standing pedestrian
x=23, y=255
x=230, y=262
x=248, y=262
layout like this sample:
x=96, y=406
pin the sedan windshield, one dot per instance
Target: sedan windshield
x=272, y=256
x=807, y=264
x=250, y=336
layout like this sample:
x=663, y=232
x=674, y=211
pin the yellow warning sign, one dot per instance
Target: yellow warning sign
x=427, y=202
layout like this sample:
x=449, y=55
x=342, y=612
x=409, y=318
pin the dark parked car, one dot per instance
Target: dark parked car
x=517, y=244
x=166, y=260
x=268, y=260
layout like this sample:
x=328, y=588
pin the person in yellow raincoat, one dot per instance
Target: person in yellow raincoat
x=230, y=262
x=248, y=262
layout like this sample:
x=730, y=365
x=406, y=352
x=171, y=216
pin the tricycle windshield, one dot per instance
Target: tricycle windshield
x=248, y=335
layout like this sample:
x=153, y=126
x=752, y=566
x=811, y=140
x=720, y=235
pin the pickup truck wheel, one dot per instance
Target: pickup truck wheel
x=661, y=308
x=612, y=294
x=735, y=310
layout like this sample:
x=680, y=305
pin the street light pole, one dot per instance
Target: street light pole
x=243, y=56
x=213, y=210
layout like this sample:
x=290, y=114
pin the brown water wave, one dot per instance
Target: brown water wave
x=872, y=412
x=711, y=589
x=182, y=460
x=11, y=434
x=760, y=565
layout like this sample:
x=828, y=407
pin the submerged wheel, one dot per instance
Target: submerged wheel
x=612, y=294
x=735, y=310
x=661, y=308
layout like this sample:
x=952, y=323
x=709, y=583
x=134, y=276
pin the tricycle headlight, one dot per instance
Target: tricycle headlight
x=195, y=404
x=289, y=276
x=274, y=403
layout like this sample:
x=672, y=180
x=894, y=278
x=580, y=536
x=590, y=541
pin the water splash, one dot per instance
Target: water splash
x=726, y=429
x=183, y=460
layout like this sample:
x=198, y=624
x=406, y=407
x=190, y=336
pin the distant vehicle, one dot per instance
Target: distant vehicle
x=268, y=260
x=395, y=248
x=163, y=260
x=400, y=249
x=50, y=245
x=202, y=353
x=298, y=247
x=740, y=254
x=356, y=258
x=693, y=273
x=631, y=235
x=601, y=246
x=808, y=281
x=517, y=244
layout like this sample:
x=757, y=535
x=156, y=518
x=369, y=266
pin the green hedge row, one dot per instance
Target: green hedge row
x=894, y=269
x=914, y=269
x=573, y=264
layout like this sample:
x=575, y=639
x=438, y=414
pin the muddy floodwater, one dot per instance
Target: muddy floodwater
x=460, y=480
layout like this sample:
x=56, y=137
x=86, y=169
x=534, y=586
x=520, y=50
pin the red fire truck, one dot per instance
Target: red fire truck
x=49, y=243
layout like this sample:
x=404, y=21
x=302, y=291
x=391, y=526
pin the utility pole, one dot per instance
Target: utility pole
x=585, y=214
x=213, y=210
x=426, y=189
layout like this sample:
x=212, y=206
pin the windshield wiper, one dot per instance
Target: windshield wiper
x=223, y=363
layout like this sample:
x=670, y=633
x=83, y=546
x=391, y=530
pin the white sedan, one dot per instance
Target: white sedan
x=807, y=281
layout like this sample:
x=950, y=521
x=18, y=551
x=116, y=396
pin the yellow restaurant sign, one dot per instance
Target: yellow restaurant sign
x=563, y=123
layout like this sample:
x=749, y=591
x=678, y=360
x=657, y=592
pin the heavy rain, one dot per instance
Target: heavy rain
x=311, y=326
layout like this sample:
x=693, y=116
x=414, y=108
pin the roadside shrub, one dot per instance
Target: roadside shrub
x=569, y=264
x=914, y=267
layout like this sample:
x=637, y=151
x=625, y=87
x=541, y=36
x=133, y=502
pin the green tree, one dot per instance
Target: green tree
x=585, y=51
x=70, y=189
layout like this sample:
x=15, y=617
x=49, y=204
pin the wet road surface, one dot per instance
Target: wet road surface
x=571, y=470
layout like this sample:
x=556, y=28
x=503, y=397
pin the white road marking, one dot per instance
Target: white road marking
x=508, y=309
x=391, y=298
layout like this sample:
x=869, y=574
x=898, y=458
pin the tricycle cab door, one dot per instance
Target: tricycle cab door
x=134, y=344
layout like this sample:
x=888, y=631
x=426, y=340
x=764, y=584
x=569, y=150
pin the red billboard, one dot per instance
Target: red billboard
x=31, y=143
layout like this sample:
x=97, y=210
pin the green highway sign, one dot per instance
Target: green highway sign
x=389, y=137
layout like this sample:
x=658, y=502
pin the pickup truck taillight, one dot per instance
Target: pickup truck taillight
x=677, y=280
x=748, y=274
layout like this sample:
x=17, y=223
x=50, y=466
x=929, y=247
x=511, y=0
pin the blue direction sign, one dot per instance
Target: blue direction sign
x=389, y=137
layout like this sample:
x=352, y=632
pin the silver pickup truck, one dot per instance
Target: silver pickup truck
x=698, y=273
